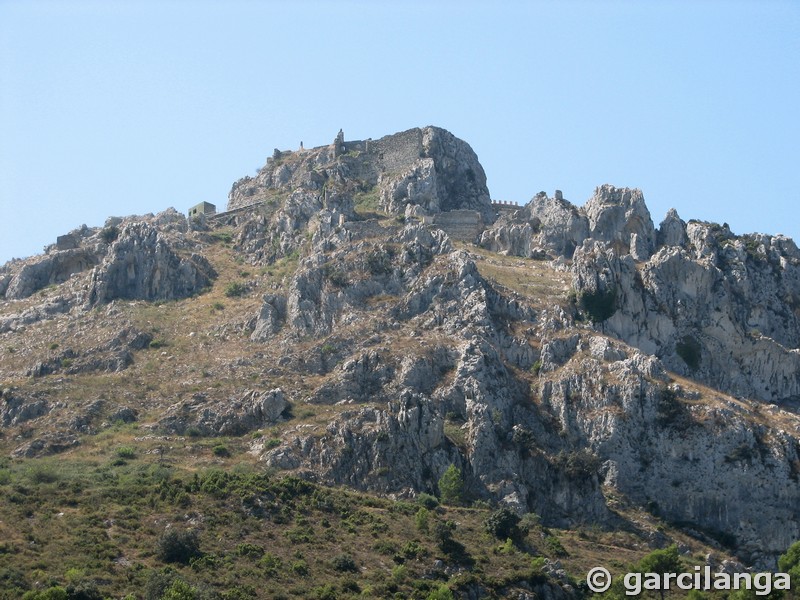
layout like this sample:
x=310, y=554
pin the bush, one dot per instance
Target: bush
x=670, y=410
x=335, y=275
x=126, y=452
x=427, y=501
x=555, y=548
x=441, y=593
x=271, y=564
x=578, y=464
x=109, y=234
x=421, y=519
x=344, y=563
x=221, y=450
x=503, y=524
x=250, y=550
x=222, y=236
x=235, y=289
x=689, y=350
x=451, y=487
x=180, y=590
x=300, y=567
x=53, y=593
x=600, y=305
x=178, y=546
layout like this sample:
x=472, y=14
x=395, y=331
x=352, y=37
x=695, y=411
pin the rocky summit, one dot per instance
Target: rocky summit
x=363, y=319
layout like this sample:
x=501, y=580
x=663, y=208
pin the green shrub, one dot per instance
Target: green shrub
x=53, y=593
x=109, y=234
x=180, y=590
x=421, y=519
x=324, y=592
x=344, y=563
x=441, y=593
x=503, y=524
x=250, y=550
x=235, y=289
x=300, y=567
x=222, y=236
x=158, y=343
x=221, y=450
x=599, y=305
x=689, y=350
x=336, y=275
x=126, y=452
x=427, y=501
x=670, y=411
x=451, y=486
x=554, y=547
x=412, y=549
x=271, y=564
x=178, y=546
x=577, y=464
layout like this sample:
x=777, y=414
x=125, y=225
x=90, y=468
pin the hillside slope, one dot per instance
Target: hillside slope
x=575, y=363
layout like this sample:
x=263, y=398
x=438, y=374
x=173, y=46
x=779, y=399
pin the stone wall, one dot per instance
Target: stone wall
x=397, y=152
x=462, y=225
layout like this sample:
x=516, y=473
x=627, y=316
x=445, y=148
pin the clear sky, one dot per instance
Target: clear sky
x=116, y=108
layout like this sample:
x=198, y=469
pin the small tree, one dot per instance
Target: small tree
x=178, y=546
x=451, y=486
x=662, y=561
x=180, y=590
x=503, y=524
x=790, y=563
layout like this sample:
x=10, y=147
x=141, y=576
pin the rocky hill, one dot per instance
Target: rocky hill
x=363, y=316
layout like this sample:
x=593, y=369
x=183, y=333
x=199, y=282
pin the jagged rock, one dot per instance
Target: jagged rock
x=270, y=319
x=426, y=167
x=252, y=410
x=620, y=215
x=50, y=269
x=15, y=409
x=716, y=315
x=672, y=231
x=141, y=264
x=124, y=414
x=34, y=314
x=359, y=379
x=46, y=445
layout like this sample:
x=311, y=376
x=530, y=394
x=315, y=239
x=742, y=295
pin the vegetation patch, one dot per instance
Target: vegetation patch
x=690, y=351
x=599, y=305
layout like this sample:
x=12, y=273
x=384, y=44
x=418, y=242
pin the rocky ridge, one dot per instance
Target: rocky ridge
x=573, y=354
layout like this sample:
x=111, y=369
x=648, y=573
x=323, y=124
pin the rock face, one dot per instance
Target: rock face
x=660, y=365
x=252, y=410
x=142, y=264
x=717, y=313
x=51, y=269
x=544, y=226
x=620, y=216
x=429, y=168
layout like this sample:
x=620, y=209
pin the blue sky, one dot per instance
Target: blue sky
x=116, y=108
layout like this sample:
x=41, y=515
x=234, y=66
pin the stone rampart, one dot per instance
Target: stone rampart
x=462, y=225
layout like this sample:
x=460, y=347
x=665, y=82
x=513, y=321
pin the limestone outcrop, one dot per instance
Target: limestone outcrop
x=428, y=168
x=142, y=264
x=661, y=366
